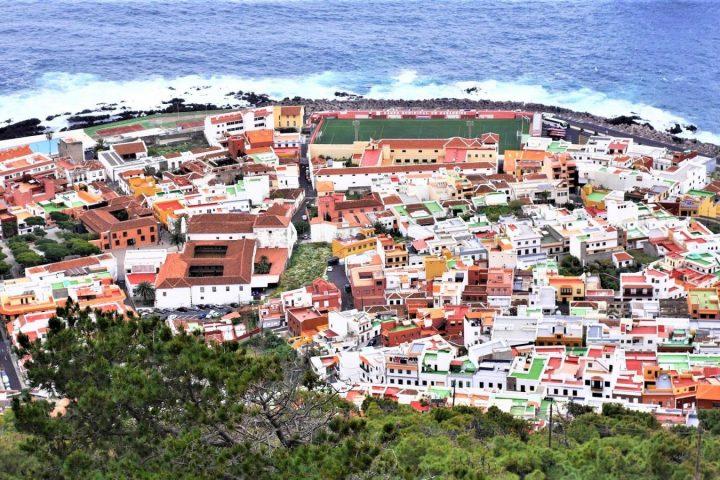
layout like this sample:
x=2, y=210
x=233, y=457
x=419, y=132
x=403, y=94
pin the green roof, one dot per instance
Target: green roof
x=597, y=196
x=433, y=207
x=536, y=369
x=556, y=147
x=440, y=392
x=401, y=210
x=700, y=193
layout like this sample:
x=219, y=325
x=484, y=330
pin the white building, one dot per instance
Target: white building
x=219, y=127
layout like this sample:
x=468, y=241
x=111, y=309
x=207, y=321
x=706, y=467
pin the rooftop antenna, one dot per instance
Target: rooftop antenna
x=356, y=126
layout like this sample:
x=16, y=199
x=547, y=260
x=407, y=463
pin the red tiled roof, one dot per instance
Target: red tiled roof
x=290, y=111
x=129, y=148
x=221, y=223
x=109, y=132
x=15, y=152
x=237, y=265
x=138, y=278
x=265, y=220
x=229, y=117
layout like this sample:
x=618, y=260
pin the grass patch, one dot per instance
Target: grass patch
x=150, y=121
x=157, y=150
x=642, y=258
x=308, y=262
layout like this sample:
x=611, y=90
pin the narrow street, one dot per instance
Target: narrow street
x=7, y=364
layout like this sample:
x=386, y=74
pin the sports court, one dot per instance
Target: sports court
x=341, y=131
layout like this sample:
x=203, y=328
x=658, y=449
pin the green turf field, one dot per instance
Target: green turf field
x=336, y=131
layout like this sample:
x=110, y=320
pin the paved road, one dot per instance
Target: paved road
x=339, y=279
x=7, y=364
x=573, y=133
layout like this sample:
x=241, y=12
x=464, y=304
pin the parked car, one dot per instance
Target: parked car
x=330, y=269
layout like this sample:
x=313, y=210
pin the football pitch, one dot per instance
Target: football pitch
x=341, y=131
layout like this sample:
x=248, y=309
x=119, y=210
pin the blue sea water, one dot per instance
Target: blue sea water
x=659, y=58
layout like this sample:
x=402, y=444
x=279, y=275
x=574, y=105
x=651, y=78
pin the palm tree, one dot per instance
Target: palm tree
x=49, y=137
x=146, y=291
x=177, y=237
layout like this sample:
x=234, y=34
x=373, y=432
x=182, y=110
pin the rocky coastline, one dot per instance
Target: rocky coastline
x=626, y=124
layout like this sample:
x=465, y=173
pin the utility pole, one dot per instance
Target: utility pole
x=698, y=454
x=551, y=425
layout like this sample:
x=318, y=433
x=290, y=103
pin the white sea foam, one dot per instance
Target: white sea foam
x=57, y=93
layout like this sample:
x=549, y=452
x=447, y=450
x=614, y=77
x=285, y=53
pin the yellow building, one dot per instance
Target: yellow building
x=143, y=186
x=593, y=198
x=289, y=116
x=434, y=267
x=426, y=150
x=165, y=212
x=344, y=248
x=567, y=288
x=709, y=208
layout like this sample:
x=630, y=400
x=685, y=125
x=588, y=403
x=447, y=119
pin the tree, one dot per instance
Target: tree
x=33, y=221
x=68, y=225
x=146, y=291
x=59, y=216
x=81, y=247
x=39, y=232
x=177, y=237
x=5, y=268
x=544, y=196
x=28, y=258
x=605, y=269
x=145, y=403
x=302, y=227
x=54, y=252
x=570, y=266
x=263, y=266
x=9, y=229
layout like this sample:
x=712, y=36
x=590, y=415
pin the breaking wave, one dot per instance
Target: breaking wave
x=59, y=93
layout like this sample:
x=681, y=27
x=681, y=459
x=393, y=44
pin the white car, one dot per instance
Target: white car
x=329, y=269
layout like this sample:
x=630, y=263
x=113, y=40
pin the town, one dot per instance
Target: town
x=428, y=257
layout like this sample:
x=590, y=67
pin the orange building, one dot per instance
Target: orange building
x=305, y=321
x=123, y=223
x=395, y=332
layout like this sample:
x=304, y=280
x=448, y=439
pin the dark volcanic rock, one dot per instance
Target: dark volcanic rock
x=624, y=120
x=24, y=128
x=675, y=129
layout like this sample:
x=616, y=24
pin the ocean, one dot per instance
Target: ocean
x=658, y=59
